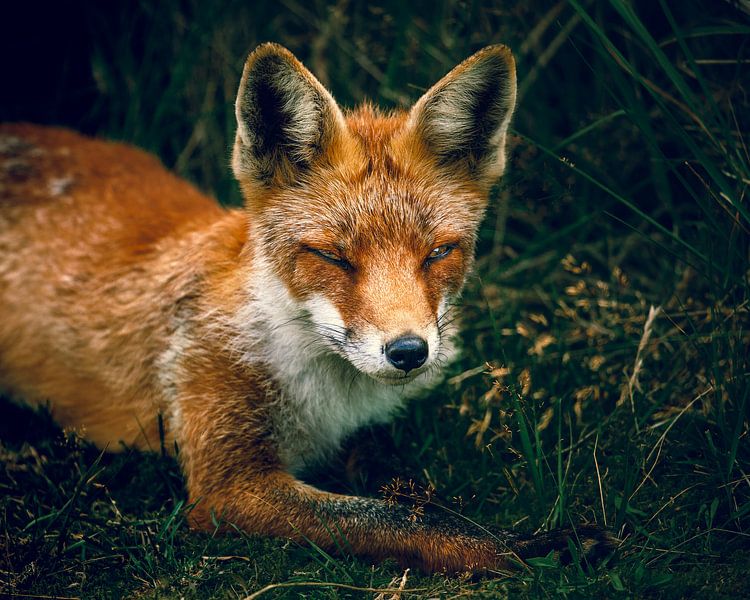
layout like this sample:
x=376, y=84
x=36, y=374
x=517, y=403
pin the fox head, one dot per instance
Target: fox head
x=369, y=220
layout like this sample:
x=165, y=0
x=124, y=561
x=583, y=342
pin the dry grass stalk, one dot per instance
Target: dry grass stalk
x=400, y=581
x=633, y=383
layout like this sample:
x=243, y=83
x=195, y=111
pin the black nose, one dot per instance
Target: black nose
x=407, y=353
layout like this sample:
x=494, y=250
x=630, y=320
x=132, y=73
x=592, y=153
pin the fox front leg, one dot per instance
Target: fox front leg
x=233, y=471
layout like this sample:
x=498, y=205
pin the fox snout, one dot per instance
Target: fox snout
x=407, y=353
x=399, y=358
x=395, y=351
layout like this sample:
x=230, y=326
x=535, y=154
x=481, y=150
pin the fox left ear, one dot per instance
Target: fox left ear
x=286, y=120
x=463, y=119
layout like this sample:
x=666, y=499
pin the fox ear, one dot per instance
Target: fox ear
x=286, y=119
x=463, y=119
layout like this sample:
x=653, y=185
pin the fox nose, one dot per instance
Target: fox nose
x=407, y=352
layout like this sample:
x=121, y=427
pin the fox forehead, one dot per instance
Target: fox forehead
x=368, y=221
x=383, y=194
x=382, y=213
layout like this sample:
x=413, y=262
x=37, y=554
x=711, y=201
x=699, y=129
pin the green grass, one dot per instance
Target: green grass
x=627, y=189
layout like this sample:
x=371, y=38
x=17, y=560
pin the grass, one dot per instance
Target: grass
x=605, y=372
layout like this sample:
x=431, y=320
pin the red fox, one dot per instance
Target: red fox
x=261, y=337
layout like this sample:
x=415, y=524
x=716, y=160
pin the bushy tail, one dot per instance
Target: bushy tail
x=597, y=543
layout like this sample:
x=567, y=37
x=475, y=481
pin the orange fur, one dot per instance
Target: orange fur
x=127, y=295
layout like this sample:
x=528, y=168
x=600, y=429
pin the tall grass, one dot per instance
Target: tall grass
x=605, y=372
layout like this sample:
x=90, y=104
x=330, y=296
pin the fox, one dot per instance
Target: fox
x=252, y=341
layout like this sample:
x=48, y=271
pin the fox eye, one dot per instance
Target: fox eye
x=328, y=255
x=333, y=258
x=440, y=252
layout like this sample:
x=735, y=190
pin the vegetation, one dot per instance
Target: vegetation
x=607, y=335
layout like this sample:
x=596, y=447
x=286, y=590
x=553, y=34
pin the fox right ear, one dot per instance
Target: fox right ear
x=462, y=121
x=286, y=119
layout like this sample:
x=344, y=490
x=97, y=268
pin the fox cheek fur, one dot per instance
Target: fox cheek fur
x=264, y=335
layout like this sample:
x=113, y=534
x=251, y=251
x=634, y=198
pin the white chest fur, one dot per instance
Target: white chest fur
x=322, y=403
x=323, y=398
